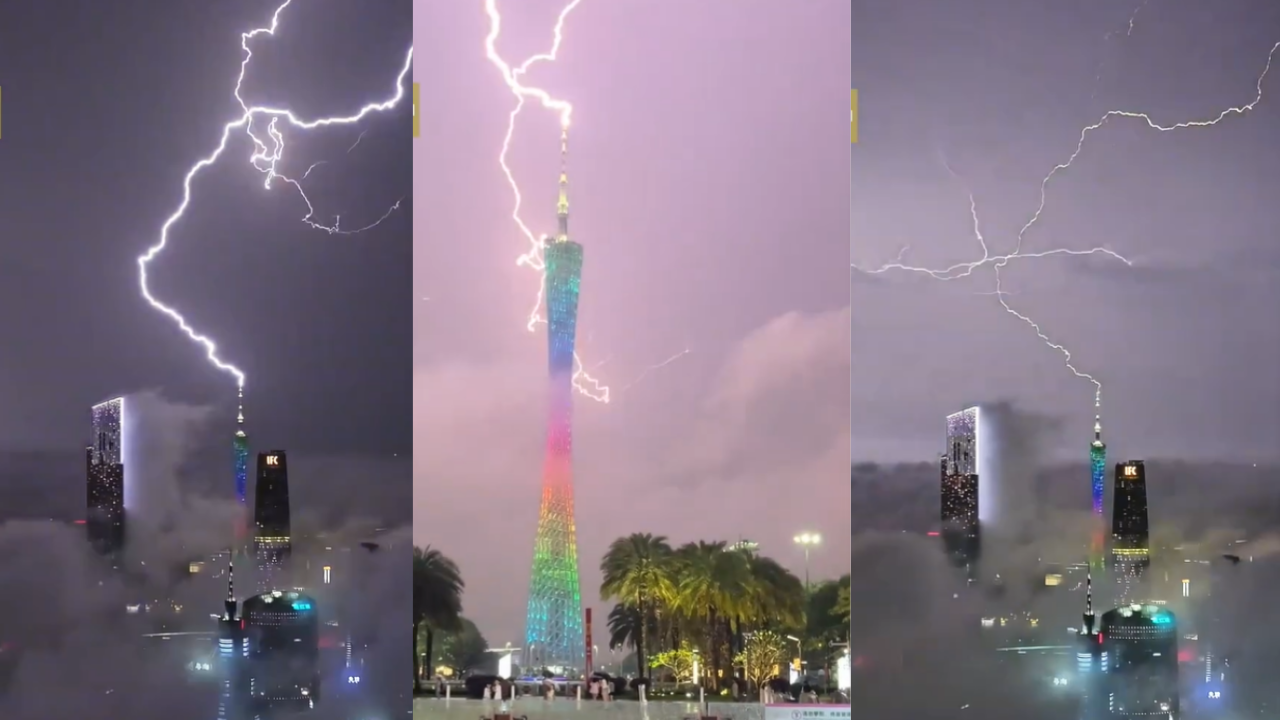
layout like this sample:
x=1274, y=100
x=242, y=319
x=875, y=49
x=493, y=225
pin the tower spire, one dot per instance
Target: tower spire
x=562, y=207
x=1097, y=417
x=240, y=411
x=230, y=604
x=1088, y=627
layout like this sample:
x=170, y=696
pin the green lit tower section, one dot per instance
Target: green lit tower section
x=554, y=624
x=1098, y=488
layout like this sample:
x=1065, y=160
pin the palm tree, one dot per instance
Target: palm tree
x=624, y=627
x=437, y=601
x=775, y=593
x=713, y=584
x=637, y=573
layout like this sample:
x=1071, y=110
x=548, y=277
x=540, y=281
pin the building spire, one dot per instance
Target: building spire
x=240, y=411
x=1088, y=627
x=1097, y=417
x=562, y=207
x=230, y=604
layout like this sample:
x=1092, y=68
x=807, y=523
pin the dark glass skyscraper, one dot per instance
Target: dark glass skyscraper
x=1141, y=642
x=272, y=533
x=104, y=482
x=282, y=650
x=1130, y=533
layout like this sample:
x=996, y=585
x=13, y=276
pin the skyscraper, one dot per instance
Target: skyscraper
x=959, y=501
x=1130, y=535
x=104, y=480
x=1141, y=642
x=554, y=634
x=281, y=633
x=1098, y=487
x=962, y=441
x=272, y=540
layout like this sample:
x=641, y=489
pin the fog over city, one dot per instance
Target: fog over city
x=70, y=650
x=914, y=611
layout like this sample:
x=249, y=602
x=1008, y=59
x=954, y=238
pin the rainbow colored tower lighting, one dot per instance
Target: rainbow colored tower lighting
x=553, y=627
x=1098, y=486
x=240, y=448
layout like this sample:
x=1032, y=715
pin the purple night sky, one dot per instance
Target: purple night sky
x=707, y=183
x=1185, y=342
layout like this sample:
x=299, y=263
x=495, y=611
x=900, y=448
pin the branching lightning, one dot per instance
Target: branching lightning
x=265, y=159
x=999, y=262
x=583, y=382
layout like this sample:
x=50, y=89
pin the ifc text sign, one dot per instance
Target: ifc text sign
x=273, y=460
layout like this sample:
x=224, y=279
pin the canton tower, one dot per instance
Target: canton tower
x=240, y=448
x=553, y=627
x=1098, y=486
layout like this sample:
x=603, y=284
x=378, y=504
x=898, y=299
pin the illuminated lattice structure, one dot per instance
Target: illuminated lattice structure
x=240, y=448
x=553, y=629
x=1098, y=488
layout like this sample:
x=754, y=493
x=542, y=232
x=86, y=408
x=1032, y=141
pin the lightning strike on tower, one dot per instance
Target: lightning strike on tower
x=554, y=624
x=265, y=158
x=535, y=258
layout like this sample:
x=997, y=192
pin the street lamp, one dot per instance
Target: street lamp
x=795, y=640
x=799, y=655
x=807, y=541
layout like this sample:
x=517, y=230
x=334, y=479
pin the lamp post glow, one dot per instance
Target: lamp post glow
x=807, y=541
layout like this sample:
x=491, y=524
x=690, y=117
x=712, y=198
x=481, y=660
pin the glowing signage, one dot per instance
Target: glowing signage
x=1162, y=619
x=1131, y=471
x=273, y=460
x=302, y=606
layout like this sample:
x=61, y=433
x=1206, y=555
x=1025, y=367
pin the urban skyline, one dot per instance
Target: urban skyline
x=156, y=480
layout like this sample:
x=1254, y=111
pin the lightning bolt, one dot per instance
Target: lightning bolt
x=583, y=382
x=265, y=159
x=999, y=262
x=653, y=368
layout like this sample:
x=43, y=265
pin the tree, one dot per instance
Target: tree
x=713, y=585
x=827, y=623
x=842, y=610
x=437, y=602
x=680, y=662
x=465, y=649
x=762, y=654
x=637, y=573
